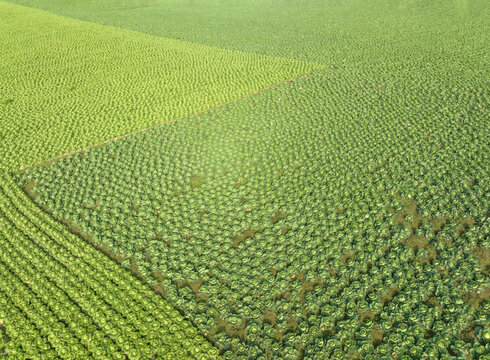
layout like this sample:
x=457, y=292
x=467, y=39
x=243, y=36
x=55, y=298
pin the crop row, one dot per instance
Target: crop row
x=73, y=300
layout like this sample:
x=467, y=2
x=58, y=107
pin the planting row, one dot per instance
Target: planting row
x=65, y=299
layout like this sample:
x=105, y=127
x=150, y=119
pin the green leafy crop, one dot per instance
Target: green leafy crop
x=67, y=84
x=340, y=215
x=295, y=223
x=61, y=298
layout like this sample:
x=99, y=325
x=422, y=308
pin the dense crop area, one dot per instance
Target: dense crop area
x=286, y=226
x=61, y=298
x=341, y=215
x=67, y=84
x=384, y=35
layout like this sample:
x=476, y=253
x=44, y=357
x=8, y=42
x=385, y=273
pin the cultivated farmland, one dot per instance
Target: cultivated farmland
x=339, y=211
x=93, y=83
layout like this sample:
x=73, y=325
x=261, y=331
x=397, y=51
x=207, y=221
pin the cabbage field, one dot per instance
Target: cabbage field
x=245, y=180
x=92, y=83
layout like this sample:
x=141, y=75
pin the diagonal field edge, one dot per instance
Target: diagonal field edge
x=66, y=84
x=103, y=143
x=78, y=250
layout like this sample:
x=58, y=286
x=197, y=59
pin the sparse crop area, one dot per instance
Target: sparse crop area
x=319, y=188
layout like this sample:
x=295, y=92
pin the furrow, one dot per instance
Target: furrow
x=48, y=281
x=135, y=319
x=61, y=338
x=97, y=292
x=24, y=337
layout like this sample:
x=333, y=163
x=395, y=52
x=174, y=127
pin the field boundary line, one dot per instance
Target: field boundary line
x=105, y=142
x=133, y=8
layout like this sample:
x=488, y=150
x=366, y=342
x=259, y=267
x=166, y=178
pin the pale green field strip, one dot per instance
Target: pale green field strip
x=49, y=161
x=63, y=298
x=66, y=84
